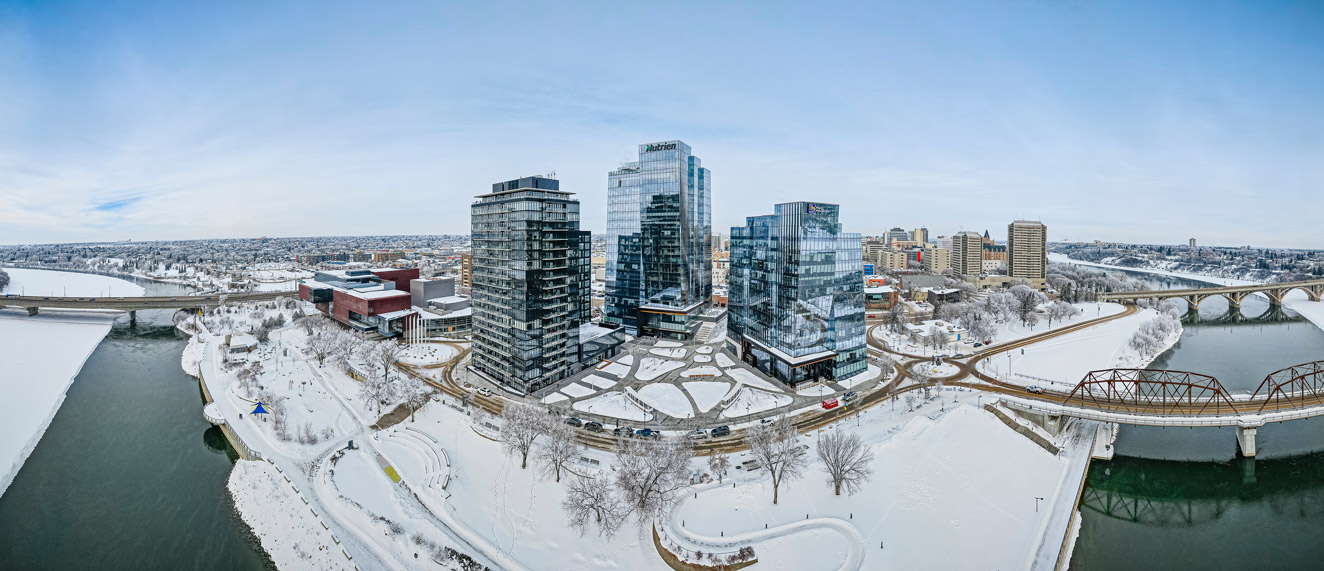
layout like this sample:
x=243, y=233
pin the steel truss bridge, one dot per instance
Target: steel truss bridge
x=1155, y=397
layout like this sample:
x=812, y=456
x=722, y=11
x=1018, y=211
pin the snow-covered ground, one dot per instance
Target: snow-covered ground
x=869, y=374
x=613, y=404
x=724, y=361
x=651, y=367
x=600, y=382
x=748, y=378
x=672, y=352
x=667, y=399
x=953, y=493
x=706, y=394
x=41, y=355
x=289, y=532
x=68, y=284
x=703, y=371
x=1011, y=330
x=1064, y=360
x=750, y=401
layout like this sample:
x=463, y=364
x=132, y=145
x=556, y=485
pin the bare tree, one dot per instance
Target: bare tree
x=775, y=447
x=385, y=355
x=593, y=500
x=719, y=464
x=521, y=425
x=559, y=451
x=415, y=394
x=846, y=460
x=650, y=472
x=324, y=338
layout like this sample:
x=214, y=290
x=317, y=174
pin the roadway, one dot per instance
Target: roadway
x=886, y=390
x=137, y=303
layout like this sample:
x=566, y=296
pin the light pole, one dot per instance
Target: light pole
x=1036, y=503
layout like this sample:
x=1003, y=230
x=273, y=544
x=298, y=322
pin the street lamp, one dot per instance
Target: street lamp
x=1036, y=503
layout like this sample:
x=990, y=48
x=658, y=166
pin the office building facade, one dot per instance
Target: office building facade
x=659, y=242
x=796, y=295
x=1027, y=250
x=530, y=275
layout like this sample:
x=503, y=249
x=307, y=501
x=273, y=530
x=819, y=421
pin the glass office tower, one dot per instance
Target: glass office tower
x=659, y=242
x=530, y=283
x=797, y=295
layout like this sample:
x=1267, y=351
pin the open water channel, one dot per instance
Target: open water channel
x=1181, y=498
x=128, y=475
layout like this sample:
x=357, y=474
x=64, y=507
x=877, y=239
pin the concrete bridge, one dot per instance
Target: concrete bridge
x=1314, y=290
x=1153, y=397
x=132, y=304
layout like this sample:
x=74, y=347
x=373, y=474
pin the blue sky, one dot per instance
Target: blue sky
x=1143, y=122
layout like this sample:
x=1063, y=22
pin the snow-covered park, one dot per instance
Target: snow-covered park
x=952, y=493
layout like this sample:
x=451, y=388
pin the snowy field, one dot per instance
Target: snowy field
x=288, y=531
x=724, y=361
x=41, y=356
x=1066, y=359
x=68, y=284
x=956, y=493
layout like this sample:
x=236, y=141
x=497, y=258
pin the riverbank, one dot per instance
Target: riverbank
x=42, y=354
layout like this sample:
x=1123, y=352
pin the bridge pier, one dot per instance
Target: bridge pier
x=1246, y=440
x=133, y=318
x=1051, y=424
x=1247, y=470
x=32, y=311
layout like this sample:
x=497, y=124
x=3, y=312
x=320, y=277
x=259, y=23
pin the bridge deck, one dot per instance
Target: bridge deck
x=136, y=303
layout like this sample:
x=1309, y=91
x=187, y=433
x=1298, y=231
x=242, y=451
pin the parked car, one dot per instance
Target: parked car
x=647, y=433
x=623, y=431
x=850, y=395
x=593, y=426
x=485, y=391
x=721, y=431
x=977, y=345
x=1034, y=389
x=699, y=434
x=572, y=421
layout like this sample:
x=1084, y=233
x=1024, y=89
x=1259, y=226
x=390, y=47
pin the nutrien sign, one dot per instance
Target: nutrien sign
x=659, y=147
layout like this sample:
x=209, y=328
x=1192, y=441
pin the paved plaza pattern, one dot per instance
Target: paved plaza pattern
x=676, y=385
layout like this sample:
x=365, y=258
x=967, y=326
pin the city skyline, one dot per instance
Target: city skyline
x=184, y=122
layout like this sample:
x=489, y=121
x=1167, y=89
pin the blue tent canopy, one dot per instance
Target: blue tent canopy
x=259, y=409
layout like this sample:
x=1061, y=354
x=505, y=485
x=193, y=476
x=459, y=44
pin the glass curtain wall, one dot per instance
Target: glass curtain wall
x=659, y=244
x=797, y=294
